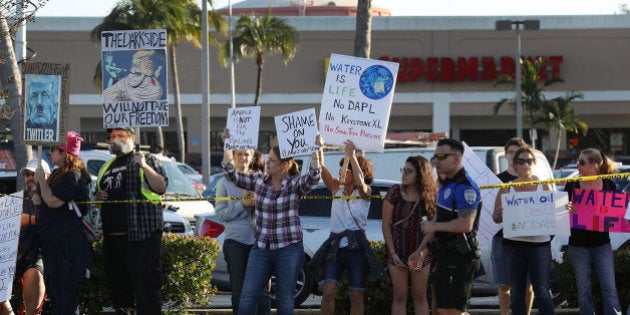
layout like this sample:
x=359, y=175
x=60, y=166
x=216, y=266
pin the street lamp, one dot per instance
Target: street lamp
x=506, y=25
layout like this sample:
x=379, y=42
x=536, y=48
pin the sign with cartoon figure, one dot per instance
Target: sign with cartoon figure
x=134, y=78
x=535, y=213
x=45, y=103
x=357, y=101
x=243, y=123
x=297, y=132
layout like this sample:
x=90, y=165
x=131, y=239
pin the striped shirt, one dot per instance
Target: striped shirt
x=277, y=218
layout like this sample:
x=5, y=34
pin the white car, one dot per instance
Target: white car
x=180, y=197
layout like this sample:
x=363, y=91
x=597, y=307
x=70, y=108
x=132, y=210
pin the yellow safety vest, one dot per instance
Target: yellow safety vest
x=144, y=189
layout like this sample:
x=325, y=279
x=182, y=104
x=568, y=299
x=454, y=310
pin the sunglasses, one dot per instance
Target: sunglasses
x=520, y=161
x=582, y=162
x=407, y=171
x=441, y=156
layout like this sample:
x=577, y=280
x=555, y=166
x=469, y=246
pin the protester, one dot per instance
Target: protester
x=592, y=248
x=66, y=252
x=237, y=215
x=498, y=259
x=132, y=231
x=347, y=247
x=526, y=254
x=29, y=264
x=278, y=249
x=452, y=234
x=406, y=205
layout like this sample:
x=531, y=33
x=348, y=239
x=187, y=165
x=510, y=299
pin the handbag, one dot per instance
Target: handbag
x=89, y=221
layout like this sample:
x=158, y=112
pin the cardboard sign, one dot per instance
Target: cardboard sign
x=297, y=132
x=601, y=211
x=535, y=213
x=45, y=105
x=357, y=101
x=10, y=214
x=134, y=71
x=243, y=123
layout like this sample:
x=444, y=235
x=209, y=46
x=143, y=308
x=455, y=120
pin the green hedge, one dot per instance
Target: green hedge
x=567, y=288
x=187, y=263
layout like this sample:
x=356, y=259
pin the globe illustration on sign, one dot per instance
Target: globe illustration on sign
x=376, y=82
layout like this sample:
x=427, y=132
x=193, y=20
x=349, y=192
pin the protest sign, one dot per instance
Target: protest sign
x=297, y=132
x=243, y=123
x=601, y=211
x=134, y=78
x=10, y=214
x=45, y=106
x=535, y=213
x=357, y=100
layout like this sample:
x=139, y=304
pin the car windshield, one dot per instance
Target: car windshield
x=186, y=169
x=178, y=184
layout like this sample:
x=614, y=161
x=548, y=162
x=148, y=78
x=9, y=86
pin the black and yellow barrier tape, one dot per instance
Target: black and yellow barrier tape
x=330, y=197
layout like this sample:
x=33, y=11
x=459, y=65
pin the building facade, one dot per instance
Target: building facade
x=445, y=83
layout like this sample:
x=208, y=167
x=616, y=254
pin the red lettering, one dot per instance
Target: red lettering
x=596, y=223
x=432, y=69
x=489, y=69
x=467, y=69
x=555, y=62
x=403, y=75
x=417, y=68
x=508, y=67
x=447, y=66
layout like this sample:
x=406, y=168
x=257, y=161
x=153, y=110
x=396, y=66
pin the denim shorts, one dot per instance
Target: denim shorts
x=354, y=262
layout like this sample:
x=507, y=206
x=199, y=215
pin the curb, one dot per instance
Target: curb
x=317, y=311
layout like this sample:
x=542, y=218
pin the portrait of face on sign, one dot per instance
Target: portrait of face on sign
x=42, y=99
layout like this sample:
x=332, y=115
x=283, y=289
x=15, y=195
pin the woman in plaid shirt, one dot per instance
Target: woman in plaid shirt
x=278, y=250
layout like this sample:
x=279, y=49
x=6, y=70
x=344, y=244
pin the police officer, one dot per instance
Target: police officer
x=454, y=245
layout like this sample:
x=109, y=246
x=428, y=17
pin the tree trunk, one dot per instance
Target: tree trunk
x=260, y=61
x=363, y=34
x=11, y=90
x=555, y=158
x=159, y=137
x=178, y=104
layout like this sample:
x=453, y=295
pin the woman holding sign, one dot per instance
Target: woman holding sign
x=278, y=248
x=586, y=247
x=526, y=254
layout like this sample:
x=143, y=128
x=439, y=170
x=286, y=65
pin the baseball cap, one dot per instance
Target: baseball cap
x=32, y=165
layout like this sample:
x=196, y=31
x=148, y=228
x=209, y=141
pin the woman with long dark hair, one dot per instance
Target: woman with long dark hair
x=66, y=251
x=404, y=207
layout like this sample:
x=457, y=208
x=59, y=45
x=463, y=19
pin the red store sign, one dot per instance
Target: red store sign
x=447, y=69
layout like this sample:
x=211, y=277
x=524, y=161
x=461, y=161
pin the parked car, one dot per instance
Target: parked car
x=192, y=175
x=211, y=188
x=564, y=173
x=315, y=223
x=180, y=195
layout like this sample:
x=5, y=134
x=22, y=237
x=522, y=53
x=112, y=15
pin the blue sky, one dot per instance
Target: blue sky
x=398, y=7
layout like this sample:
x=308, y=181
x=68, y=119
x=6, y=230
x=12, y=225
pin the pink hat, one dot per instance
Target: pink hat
x=73, y=143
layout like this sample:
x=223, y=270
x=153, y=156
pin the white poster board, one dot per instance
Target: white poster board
x=243, y=123
x=357, y=101
x=10, y=214
x=535, y=213
x=297, y=132
x=134, y=69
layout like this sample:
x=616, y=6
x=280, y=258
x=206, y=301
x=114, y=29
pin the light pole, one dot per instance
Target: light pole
x=506, y=25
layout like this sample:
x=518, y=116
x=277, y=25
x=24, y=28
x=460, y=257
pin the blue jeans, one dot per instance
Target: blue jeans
x=236, y=255
x=522, y=259
x=285, y=264
x=602, y=259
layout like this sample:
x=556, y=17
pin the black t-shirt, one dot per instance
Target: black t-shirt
x=588, y=238
x=114, y=215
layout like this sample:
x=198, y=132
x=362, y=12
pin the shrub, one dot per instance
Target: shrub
x=187, y=264
x=567, y=288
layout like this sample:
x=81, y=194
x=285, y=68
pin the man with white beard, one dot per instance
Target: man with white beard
x=29, y=263
x=132, y=229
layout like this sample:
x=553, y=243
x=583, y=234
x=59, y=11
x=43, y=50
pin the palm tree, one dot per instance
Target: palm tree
x=182, y=21
x=255, y=36
x=559, y=115
x=363, y=34
x=532, y=88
